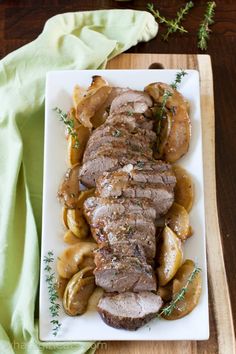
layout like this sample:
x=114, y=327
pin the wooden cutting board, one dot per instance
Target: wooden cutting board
x=222, y=338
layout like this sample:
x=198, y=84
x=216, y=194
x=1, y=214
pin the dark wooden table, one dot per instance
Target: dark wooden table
x=22, y=21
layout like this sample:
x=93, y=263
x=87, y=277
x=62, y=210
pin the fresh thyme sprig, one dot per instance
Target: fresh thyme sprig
x=178, y=79
x=52, y=292
x=173, y=25
x=161, y=114
x=183, y=11
x=167, y=310
x=165, y=97
x=167, y=93
x=70, y=125
x=204, y=30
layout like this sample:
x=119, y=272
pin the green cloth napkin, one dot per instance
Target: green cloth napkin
x=82, y=40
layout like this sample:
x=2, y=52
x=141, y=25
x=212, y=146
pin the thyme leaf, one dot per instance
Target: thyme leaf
x=178, y=79
x=168, y=309
x=204, y=30
x=116, y=133
x=69, y=123
x=173, y=25
x=183, y=11
x=161, y=113
x=52, y=292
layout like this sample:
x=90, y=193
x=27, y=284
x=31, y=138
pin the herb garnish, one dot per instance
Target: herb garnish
x=173, y=25
x=129, y=229
x=167, y=310
x=140, y=164
x=130, y=113
x=116, y=133
x=52, y=292
x=179, y=18
x=167, y=93
x=178, y=79
x=204, y=30
x=70, y=125
x=161, y=113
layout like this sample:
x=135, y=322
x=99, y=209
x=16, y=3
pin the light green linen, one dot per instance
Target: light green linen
x=84, y=40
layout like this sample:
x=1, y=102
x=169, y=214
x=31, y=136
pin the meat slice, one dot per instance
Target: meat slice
x=151, y=165
x=134, y=229
x=131, y=143
x=130, y=121
x=128, y=249
x=131, y=101
x=137, y=140
x=99, y=210
x=152, y=175
x=120, y=132
x=120, y=273
x=119, y=150
x=92, y=169
x=131, y=108
x=119, y=184
x=129, y=310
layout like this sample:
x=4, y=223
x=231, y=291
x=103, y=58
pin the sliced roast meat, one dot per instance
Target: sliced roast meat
x=98, y=210
x=92, y=169
x=167, y=177
x=119, y=149
x=122, y=131
x=130, y=121
x=129, y=310
x=107, y=252
x=140, y=139
x=120, y=273
x=132, y=143
x=115, y=91
x=152, y=165
x=134, y=229
x=119, y=184
x=132, y=108
x=139, y=100
x=121, y=178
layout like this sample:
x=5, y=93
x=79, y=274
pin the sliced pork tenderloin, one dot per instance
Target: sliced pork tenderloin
x=119, y=184
x=108, y=161
x=98, y=210
x=130, y=121
x=120, y=273
x=131, y=101
x=133, y=229
x=131, y=143
x=129, y=310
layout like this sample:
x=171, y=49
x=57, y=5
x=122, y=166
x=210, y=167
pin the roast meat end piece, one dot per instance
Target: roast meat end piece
x=129, y=310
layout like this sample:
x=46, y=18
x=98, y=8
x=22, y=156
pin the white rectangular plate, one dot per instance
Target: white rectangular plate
x=59, y=87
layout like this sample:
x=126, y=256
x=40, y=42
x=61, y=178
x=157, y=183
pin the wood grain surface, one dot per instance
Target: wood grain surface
x=21, y=21
x=221, y=339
